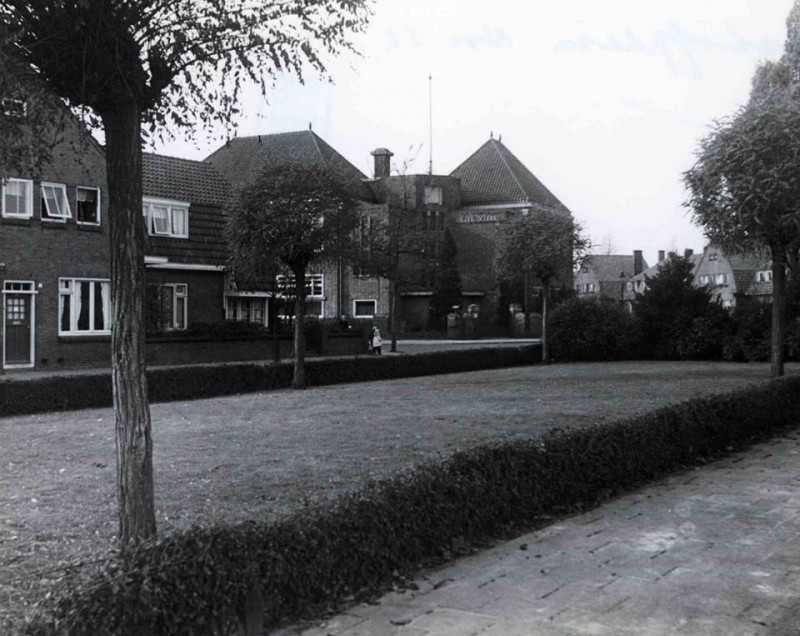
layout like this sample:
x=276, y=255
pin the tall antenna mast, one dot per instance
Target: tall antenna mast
x=430, y=123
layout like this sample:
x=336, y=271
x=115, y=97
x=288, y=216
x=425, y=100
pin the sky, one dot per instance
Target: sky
x=605, y=102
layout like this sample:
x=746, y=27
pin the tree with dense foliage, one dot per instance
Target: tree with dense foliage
x=744, y=188
x=165, y=66
x=292, y=215
x=446, y=292
x=593, y=329
x=677, y=319
x=541, y=245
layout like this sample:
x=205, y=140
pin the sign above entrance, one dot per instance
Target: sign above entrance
x=478, y=218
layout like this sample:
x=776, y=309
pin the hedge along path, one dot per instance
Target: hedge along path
x=89, y=390
x=211, y=580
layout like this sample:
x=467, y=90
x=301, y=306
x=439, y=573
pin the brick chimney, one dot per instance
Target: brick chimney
x=638, y=262
x=687, y=253
x=660, y=255
x=383, y=158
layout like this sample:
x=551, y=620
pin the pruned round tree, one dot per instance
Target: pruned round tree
x=544, y=246
x=153, y=67
x=744, y=188
x=291, y=216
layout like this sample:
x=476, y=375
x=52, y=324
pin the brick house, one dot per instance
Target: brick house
x=55, y=253
x=608, y=275
x=334, y=289
x=54, y=258
x=495, y=187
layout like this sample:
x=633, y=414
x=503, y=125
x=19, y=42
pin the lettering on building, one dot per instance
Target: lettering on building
x=478, y=218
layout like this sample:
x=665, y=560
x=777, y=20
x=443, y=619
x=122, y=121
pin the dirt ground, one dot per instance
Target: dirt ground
x=263, y=455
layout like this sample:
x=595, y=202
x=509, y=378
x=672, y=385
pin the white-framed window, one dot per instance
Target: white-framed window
x=705, y=280
x=84, y=307
x=365, y=308
x=55, y=205
x=246, y=309
x=433, y=195
x=13, y=107
x=713, y=256
x=315, y=285
x=764, y=276
x=721, y=279
x=17, y=198
x=87, y=202
x=590, y=288
x=166, y=218
x=167, y=306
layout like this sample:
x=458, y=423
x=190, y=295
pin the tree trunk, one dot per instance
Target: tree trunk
x=778, y=310
x=299, y=378
x=545, y=294
x=137, y=520
x=276, y=341
x=393, y=314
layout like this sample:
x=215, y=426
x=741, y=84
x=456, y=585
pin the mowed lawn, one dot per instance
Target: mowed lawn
x=259, y=456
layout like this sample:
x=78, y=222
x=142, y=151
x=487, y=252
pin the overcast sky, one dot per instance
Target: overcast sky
x=604, y=102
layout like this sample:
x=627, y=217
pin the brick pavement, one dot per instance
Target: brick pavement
x=712, y=551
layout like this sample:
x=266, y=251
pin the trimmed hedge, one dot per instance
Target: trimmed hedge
x=197, y=581
x=62, y=393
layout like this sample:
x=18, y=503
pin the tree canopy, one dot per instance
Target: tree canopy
x=290, y=216
x=543, y=245
x=744, y=188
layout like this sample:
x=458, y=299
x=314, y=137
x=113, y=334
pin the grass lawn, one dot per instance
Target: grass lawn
x=263, y=455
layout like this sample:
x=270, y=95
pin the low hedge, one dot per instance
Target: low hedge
x=196, y=582
x=21, y=396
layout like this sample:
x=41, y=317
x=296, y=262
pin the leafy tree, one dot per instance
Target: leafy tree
x=164, y=65
x=446, y=281
x=542, y=245
x=292, y=215
x=745, y=184
x=677, y=319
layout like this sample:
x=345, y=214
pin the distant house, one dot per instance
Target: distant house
x=608, y=275
x=638, y=284
x=733, y=278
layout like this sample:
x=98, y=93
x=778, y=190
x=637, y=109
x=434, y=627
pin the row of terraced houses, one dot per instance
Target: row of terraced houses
x=55, y=248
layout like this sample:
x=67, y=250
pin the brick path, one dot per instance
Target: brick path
x=712, y=551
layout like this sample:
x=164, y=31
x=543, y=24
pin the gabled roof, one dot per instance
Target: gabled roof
x=492, y=174
x=608, y=267
x=241, y=159
x=183, y=180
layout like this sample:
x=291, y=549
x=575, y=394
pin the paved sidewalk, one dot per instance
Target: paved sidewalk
x=715, y=550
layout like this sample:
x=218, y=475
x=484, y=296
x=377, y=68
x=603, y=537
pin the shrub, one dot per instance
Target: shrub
x=584, y=329
x=306, y=564
x=19, y=396
x=749, y=338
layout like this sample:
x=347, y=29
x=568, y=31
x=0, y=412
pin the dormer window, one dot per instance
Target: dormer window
x=166, y=218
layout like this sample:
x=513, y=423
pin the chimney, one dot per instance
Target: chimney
x=638, y=263
x=660, y=255
x=687, y=253
x=383, y=158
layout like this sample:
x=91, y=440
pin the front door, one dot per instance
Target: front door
x=18, y=326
